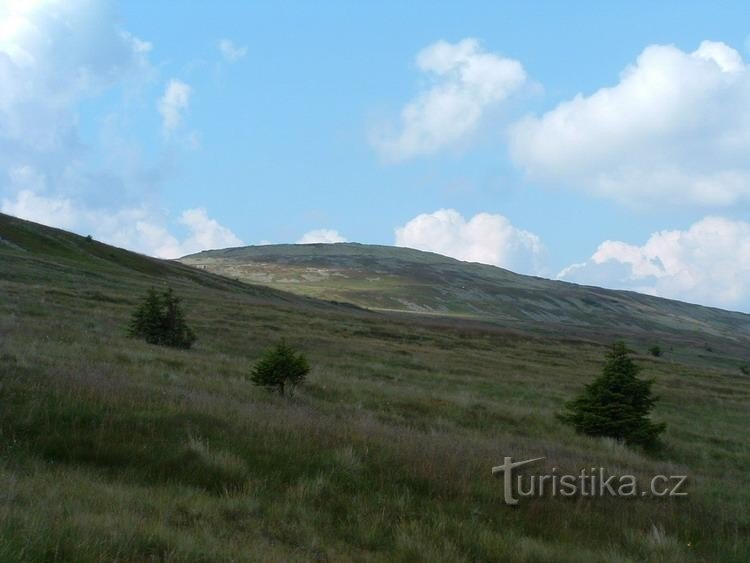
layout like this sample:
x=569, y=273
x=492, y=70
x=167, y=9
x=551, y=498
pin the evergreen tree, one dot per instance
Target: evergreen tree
x=160, y=320
x=146, y=322
x=175, y=331
x=616, y=404
x=280, y=368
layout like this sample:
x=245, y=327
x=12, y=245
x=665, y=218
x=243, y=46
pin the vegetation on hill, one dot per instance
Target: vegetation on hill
x=404, y=280
x=113, y=449
x=280, y=368
x=655, y=350
x=159, y=320
x=617, y=404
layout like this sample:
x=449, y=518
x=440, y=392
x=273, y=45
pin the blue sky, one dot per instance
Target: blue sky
x=604, y=144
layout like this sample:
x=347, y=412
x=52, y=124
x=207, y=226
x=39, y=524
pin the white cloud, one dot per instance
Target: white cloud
x=28, y=184
x=321, y=236
x=709, y=263
x=205, y=233
x=230, y=51
x=173, y=104
x=486, y=238
x=465, y=82
x=675, y=129
x=45, y=70
x=47, y=73
x=47, y=173
x=55, y=212
x=136, y=228
x=141, y=230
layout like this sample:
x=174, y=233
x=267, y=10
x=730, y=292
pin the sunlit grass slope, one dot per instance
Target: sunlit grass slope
x=390, y=278
x=112, y=449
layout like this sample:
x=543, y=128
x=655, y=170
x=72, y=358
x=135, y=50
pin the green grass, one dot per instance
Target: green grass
x=392, y=279
x=112, y=449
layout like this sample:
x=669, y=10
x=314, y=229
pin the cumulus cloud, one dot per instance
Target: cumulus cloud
x=321, y=236
x=45, y=70
x=466, y=81
x=675, y=129
x=48, y=174
x=173, y=104
x=486, y=238
x=230, y=51
x=136, y=228
x=204, y=234
x=709, y=263
x=47, y=73
x=51, y=211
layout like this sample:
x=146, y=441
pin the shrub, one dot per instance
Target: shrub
x=280, y=368
x=745, y=369
x=655, y=350
x=8, y=357
x=159, y=320
x=616, y=404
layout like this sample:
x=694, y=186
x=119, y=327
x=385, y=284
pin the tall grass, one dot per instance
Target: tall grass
x=112, y=449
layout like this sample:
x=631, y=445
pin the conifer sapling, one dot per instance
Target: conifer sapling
x=616, y=404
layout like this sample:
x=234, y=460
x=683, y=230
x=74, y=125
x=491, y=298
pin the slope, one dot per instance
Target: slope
x=112, y=449
x=405, y=280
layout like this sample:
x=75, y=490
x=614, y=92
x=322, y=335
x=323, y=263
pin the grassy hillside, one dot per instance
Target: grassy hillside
x=117, y=450
x=405, y=280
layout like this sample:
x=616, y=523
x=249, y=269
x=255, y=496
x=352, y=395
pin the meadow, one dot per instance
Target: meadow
x=113, y=449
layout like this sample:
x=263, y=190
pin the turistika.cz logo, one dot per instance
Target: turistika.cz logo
x=590, y=482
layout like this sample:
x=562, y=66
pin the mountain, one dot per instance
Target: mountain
x=30, y=247
x=112, y=449
x=394, y=279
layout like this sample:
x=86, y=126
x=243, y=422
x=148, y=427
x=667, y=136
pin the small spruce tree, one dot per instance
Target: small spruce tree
x=280, y=368
x=159, y=320
x=146, y=320
x=616, y=404
x=175, y=331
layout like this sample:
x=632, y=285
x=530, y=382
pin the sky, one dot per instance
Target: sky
x=597, y=143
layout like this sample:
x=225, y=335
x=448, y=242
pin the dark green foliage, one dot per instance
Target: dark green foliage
x=176, y=332
x=160, y=320
x=655, y=350
x=9, y=358
x=616, y=404
x=280, y=368
x=744, y=368
x=146, y=320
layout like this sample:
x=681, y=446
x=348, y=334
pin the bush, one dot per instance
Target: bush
x=280, y=368
x=616, y=404
x=745, y=369
x=655, y=350
x=159, y=320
